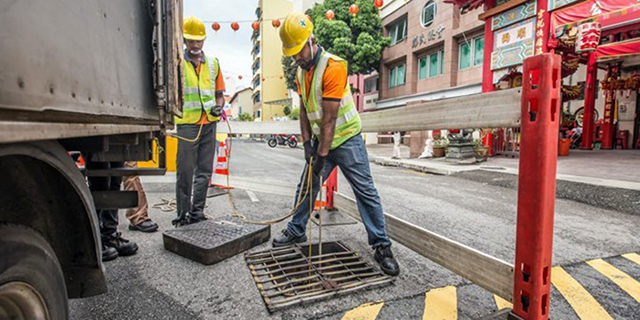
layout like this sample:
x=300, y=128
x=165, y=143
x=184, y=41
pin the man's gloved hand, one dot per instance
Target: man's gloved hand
x=216, y=111
x=318, y=164
x=308, y=151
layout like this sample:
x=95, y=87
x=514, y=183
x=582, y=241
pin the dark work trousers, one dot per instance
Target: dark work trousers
x=194, y=166
x=108, y=218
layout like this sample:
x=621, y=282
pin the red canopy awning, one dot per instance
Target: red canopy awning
x=618, y=50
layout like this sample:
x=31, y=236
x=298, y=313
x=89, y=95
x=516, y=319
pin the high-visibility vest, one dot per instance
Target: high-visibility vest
x=199, y=91
x=348, y=123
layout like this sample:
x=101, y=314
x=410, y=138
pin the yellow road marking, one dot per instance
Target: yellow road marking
x=580, y=300
x=367, y=311
x=441, y=304
x=633, y=257
x=502, y=303
x=624, y=281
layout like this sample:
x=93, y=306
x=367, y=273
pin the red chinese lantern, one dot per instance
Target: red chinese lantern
x=215, y=26
x=255, y=25
x=329, y=14
x=378, y=3
x=235, y=26
x=588, y=37
x=353, y=9
x=239, y=77
x=275, y=23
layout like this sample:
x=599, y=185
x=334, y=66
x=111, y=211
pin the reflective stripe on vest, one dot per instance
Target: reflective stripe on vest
x=199, y=92
x=348, y=121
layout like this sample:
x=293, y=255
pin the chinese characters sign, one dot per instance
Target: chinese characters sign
x=588, y=37
x=513, y=44
x=431, y=36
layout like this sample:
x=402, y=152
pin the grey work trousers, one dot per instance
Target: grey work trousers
x=194, y=169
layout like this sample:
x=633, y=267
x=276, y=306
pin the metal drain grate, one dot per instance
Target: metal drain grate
x=287, y=276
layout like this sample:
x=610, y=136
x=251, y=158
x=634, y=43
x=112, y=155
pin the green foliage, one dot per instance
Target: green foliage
x=358, y=39
x=289, y=69
x=295, y=114
x=245, y=117
x=286, y=110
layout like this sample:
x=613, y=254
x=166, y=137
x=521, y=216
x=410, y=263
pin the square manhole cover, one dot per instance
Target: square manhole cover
x=289, y=275
x=214, y=240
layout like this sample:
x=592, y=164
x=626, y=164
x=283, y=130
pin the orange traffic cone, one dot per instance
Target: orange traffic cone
x=222, y=168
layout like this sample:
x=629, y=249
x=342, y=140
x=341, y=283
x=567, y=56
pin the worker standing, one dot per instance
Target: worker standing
x=203, y=105
x=330, y=128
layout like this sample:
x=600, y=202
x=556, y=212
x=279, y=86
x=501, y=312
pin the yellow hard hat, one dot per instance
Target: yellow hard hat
x=193, y=29
x=295, y=32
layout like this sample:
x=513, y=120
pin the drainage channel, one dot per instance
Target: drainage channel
x=289, y=275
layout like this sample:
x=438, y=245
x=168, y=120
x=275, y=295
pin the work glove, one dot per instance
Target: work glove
x=318, y=164
x=216, y=111
x=308, y=151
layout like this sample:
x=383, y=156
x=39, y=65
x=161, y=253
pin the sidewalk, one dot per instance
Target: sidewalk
x=610, y=168
x=608, y=179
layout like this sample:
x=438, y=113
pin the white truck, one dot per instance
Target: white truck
x=102, y=77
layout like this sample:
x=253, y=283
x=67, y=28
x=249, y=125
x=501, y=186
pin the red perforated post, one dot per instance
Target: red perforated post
x=589, y=103
x=332, y=186
x=536, y=186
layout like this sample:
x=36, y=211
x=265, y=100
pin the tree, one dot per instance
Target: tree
x=286, y=110
x=245, y=117
x=355, y=38
x=289, y=69
x=295, y=114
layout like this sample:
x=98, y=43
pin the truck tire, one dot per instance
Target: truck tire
x=31, y=281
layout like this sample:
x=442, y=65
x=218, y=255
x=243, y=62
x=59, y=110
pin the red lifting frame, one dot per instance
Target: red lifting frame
x=536, y=186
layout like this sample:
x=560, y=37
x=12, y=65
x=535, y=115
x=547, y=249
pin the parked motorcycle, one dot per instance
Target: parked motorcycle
x=283, y=140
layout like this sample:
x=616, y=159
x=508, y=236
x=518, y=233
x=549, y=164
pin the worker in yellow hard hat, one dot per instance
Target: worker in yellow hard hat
x=330, y=128
x=203, y=106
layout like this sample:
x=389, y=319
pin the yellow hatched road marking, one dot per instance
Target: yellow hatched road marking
x=441, y=304
x=367, y=311
x=502, y=303
x=624, y=281
x=580, y=300
x=633, y=257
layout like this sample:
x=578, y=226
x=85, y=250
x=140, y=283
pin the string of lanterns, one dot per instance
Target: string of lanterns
x=255, y=25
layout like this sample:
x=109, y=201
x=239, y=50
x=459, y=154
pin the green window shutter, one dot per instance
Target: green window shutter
x=433, y=65
x=442, y=62
x=422, y=71
x=392, y=77
x=400, y=76
x=478, y=54
x=465, y=56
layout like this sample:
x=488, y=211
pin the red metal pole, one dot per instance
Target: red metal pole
x=537, y=186
x=487, y=74
x=609, y=103
x=589, y=103
x=332, y=186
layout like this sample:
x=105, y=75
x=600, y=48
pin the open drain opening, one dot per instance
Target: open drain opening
x=288, y=276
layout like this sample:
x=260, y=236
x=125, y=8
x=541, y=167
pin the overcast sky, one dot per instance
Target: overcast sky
x=233, y=49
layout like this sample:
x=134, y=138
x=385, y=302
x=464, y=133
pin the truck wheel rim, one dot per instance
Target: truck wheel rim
x=19, y=300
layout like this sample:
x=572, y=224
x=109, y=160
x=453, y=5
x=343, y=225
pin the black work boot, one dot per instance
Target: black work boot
x=287, y=239
x=144, y=226
x=122, y=245
x=109, y=253
x=388, y=264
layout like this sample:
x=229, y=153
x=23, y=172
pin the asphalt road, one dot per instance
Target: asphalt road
x=157, y=284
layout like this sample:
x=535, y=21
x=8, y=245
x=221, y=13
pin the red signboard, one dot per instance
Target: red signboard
x=598, y=9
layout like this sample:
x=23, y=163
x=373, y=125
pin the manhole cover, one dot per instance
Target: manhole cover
x=287, y=276
x=212, y=241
